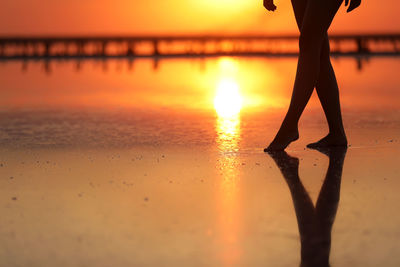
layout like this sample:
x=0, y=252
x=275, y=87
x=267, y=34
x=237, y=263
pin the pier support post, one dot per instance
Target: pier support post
x=396, y=46
x=218, y=47
x=80, y=48
x=131, y=49
x=156, y=51
x=25, y=49
x=202, y=47
x=66, y=50
x=190, y=49
x=36, y=49
x=362, y=46
x=103, y=51
x=47, y=49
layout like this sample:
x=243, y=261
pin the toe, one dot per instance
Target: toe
x=320, y=143
x=312, y=145
x=274, y=148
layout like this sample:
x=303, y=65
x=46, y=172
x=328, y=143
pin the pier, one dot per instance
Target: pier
x=46, y=47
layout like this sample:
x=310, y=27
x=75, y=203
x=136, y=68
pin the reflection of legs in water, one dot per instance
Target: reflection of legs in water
x=329, y=195
x=303, y=205
x=315, y=224
x=314, y=69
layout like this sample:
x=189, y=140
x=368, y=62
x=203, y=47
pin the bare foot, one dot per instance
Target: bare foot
x=282, y=140
x=331, y=140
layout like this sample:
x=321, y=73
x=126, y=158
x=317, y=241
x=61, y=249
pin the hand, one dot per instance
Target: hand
x=269, y=5
x=353, y=4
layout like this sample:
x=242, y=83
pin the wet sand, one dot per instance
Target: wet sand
x=163, y=187
x=194, y=205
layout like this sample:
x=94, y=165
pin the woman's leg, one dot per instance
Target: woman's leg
x=317, y=18
x=326, y=87
x=328, y=93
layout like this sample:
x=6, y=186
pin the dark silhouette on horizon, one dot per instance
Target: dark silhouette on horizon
x=187, y=46
x=314, y=69
x=315, y=223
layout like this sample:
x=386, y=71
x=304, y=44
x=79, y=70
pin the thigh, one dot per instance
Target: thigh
x=299, y=7
x=317, y=18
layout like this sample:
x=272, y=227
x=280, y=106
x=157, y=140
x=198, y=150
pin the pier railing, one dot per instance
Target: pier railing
x=45, y=47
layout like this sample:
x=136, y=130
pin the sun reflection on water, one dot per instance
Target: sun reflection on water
x=228, y=101
x=228, y=137
x=228, y=104
x=228, y=134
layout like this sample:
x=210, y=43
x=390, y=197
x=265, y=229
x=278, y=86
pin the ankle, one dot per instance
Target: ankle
x=289, y=127
x=337, y=133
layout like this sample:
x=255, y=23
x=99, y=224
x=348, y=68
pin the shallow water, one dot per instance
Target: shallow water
x=121, y=163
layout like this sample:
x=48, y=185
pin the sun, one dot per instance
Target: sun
x=227, y=101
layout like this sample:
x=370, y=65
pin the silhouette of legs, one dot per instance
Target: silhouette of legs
x=315, y=224
x=328, y=94
x=314, y=69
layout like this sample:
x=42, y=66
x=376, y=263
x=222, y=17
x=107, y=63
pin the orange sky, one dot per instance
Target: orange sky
x=177, y=16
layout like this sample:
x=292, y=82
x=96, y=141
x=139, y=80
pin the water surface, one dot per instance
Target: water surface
x=160, y=163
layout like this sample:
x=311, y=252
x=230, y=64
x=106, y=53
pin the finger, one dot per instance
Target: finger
x=353, y=5
x=271, y=7
x=267, y=3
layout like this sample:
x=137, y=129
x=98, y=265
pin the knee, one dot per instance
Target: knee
x=325, y=49
x=310, y=42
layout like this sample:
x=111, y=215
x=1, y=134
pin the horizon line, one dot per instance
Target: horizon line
x=203, y=34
